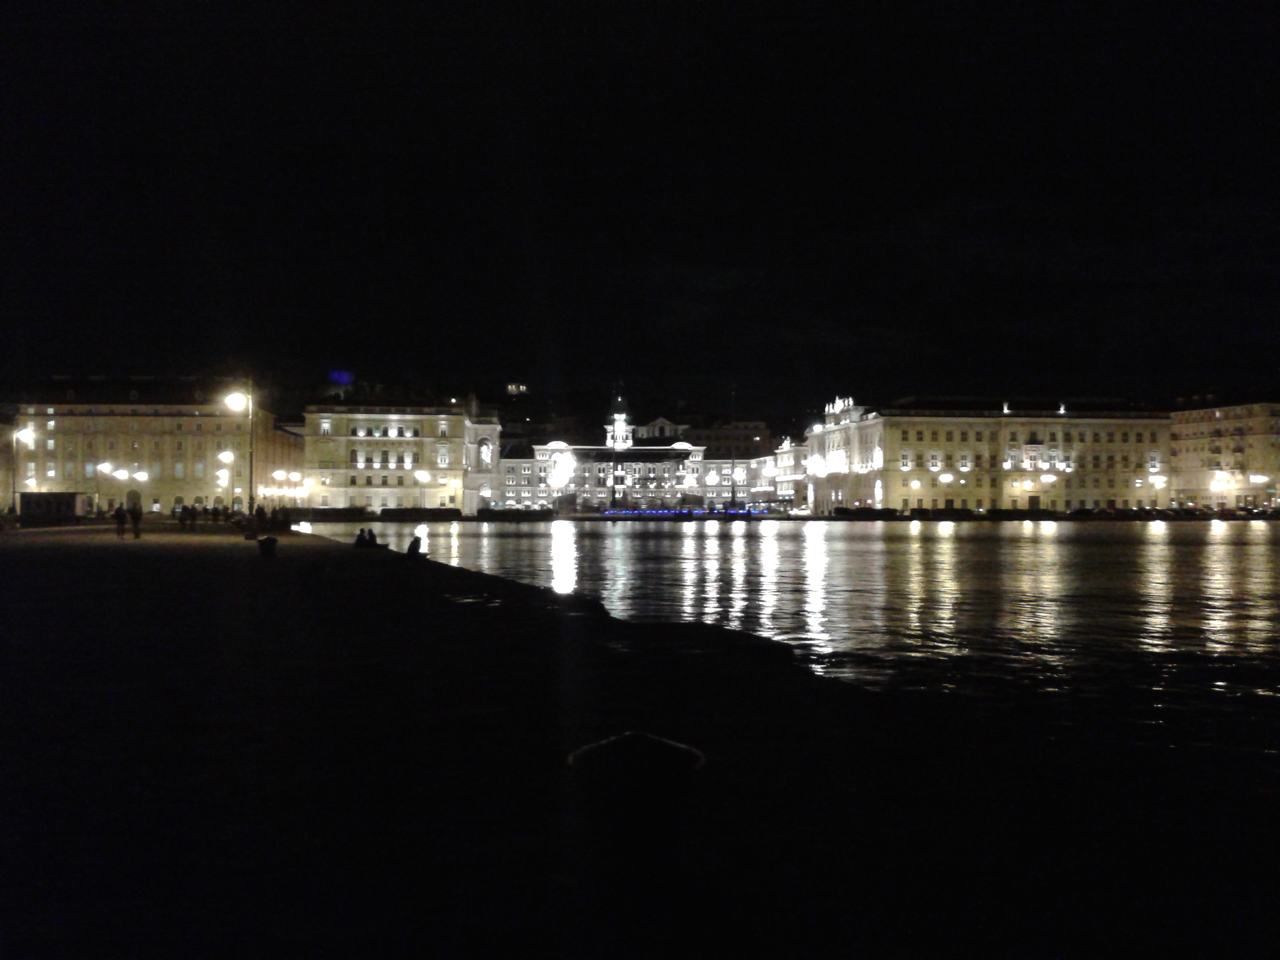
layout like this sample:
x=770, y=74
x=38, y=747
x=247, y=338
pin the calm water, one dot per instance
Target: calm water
x=1175, y=610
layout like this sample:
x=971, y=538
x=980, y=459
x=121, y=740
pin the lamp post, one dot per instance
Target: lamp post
x=244, y=401
x=27, y=436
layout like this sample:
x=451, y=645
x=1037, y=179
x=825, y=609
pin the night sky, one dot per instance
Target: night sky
x=894, y=199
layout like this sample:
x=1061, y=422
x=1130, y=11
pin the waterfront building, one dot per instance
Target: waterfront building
x=925, y=453
x=1226, y=456
x=155, y=443
x=626, y=472
x=402, y=457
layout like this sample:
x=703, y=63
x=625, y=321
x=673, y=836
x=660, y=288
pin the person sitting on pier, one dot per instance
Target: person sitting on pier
x=361, y=539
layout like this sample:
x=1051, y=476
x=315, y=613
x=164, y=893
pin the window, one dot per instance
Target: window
x=324, y=499
x=977, y=435
x=1013, y=436
x=368, y=481
x=442, y=457
x=919, y=436
x=49, y=444
x=88, y=471
x=178, y=446
x=964, y=436
x=949, y=436
x=443, y=430
x=354, y=480
x=326, y=427
x=69, y=470
x=51, y=470
x=179, y=470
x=933, y=436
x=906, y=435
x=52, y=424
x=400, y=480
x=199, y=469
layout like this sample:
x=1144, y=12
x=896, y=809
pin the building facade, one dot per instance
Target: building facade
x=402, y=457
x=159, y=456
x=626, y=472
x=1226, y=457
x=983, y=455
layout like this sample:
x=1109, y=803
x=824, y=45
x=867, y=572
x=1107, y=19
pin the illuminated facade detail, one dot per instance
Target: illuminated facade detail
x=150, y=441
x=367, y=446
x=1226, y=457
x=636, y=468
x=987, y=455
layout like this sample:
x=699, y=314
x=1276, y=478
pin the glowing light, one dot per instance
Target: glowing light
x=1047, y=478
x=1008, y=464
x=1027, y=484
x=104, y=468
x=27, y=436
x=455, y=483
x=817, y=428
x=121, y=474
x=915, y=484
x=946, y=478
x=769, y=470
x=421, y=476
x=302, y=527
x=226, y=456
x=295, y=477
x=140, y=475
x=278, y=475
x=562, y=466
x=30, y=481
x=1258, y=478
x=236, y=401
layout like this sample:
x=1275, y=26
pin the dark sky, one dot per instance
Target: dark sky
x=892, y=199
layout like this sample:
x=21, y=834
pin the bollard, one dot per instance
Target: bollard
x=267, y=548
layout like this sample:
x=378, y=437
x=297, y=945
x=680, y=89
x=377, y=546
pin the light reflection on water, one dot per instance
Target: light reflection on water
x=1063, y=605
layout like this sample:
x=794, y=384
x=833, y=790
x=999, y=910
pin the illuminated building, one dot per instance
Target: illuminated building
x=376, y=457
x=1226, y=457
x=981, y=455
x=627, y=472
x=160, y=444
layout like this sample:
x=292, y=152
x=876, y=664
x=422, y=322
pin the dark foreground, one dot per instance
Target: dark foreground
x=347, y=753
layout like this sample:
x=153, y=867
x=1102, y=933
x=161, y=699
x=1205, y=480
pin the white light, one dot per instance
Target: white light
x=307, y=482
x=295, y=476
x=237, y=401
x=1258, y=478
x=140, y=476
x=915, y=484
x=817, y=428
x=421, y=476
x=1027, y=484
x=26, y=435
x=121, y=474
x=278, y=475
x=226, y=456
x=104, y=468
x=946, y=478
x=30, y=481
x=1047, y=478
x=455, y=483
x=239, y=489
x=1008, y=464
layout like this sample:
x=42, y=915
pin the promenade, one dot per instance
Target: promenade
x=349, y=753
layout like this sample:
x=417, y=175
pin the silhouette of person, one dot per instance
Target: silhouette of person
x=135, y=518
x=121, y=516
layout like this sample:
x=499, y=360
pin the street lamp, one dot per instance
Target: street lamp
x=27, y=436
x=244, y=401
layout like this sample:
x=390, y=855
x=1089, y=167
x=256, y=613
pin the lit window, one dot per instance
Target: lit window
x=326, y=427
